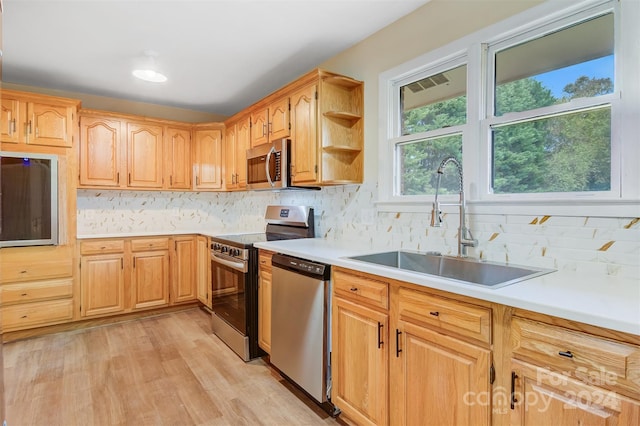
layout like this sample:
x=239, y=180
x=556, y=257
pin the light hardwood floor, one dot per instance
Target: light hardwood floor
x=164, y=370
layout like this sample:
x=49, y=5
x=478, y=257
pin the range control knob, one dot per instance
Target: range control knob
x=216, y=246
x=235, y=252
x=224, y=249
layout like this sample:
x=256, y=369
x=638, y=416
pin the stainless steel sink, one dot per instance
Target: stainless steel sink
x=472, y=271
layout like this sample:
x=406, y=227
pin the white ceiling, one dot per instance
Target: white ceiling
x=220, y=55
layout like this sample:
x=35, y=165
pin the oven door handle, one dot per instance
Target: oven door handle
x=266, y=165
x=238, y=266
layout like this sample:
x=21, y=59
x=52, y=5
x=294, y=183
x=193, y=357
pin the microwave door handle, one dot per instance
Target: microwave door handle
x=266, y=165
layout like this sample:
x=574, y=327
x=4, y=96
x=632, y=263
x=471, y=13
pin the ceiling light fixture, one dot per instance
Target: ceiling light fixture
x=147, y=68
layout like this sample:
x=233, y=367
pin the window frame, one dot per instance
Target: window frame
x=478, y=48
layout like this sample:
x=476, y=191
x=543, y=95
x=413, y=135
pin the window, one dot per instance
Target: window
x=550, y=121
x=532, y=107
x=433, y=111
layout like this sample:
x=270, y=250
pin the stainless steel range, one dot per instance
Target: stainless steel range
x=234, y=276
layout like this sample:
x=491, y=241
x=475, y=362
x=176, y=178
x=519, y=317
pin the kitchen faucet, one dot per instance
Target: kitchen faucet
x=465, y=238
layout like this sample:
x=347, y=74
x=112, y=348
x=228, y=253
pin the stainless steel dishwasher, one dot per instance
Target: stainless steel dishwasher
x=301, y=325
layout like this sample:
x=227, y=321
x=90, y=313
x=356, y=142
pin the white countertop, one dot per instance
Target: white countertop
x=609, y=302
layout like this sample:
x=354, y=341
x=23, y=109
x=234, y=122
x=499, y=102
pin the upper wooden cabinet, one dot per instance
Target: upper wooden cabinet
x=304, y=149
x=144, y=155
x=177, y=148
x=207, y=162
x=237, y=141
x=100, y=152
x=120, y=151
x=270, y=122
x=34, y=119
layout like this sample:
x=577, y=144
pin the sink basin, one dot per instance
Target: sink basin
x=467, y=270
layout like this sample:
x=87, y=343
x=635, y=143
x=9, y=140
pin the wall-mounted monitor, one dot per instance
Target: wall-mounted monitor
x=29, y=199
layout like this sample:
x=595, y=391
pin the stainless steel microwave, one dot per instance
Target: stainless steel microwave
x=268, y=165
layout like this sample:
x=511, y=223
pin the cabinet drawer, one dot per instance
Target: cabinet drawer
x=35, y=314
x=150, y=244
x=34, y=291
x=602, y=362
x=361, y=289
x=264, y=259
x=37, y=268
x=102, y=246
x=451, y=315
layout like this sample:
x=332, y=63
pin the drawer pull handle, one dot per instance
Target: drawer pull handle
x=24, y=316
x=567, y=354
x=24, y=294
x=398, y=350
x=354, y=288
x=23, y=272
x=434, y=313
x=514, y=376
x=102, y=247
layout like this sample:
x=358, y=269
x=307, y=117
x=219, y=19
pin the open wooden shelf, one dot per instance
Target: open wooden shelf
x=341, y=148
x=343, y=81
x=343, y=115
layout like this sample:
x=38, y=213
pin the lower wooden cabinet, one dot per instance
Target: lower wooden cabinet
x=543, y=397
x=203, y=271
x=360, y=348
x=150, y=279
x=183, y=270
x=102, y=284
x=264, y=300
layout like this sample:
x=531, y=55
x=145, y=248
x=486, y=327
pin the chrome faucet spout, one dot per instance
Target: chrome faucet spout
x=465, y=237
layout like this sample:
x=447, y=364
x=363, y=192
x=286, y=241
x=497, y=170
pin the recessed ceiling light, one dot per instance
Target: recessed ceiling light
x=147, y=68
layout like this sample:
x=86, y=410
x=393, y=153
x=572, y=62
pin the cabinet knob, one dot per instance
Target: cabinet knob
x=567, y=354
x=354, y=288
x=434, y=313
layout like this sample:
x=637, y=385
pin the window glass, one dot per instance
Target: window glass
x=570, y=152
x=419, y=162
x=434, y=102
x=575, y=62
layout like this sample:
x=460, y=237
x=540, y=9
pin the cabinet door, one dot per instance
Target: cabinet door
x=203, y=271
x=12, y=121
x=177, y=164
x=264, y=302
x=208, y=164
x=100, y=152
x=150, y=279
x=279, y=124
x=183, y=265
x=541, y=397
x=102, y=284
x=259, y=127
x=144, y=147
x=359, y=363
x=243, y=143
x=230, y=157
x=437, y=379
x=49, y=124
x=304, y=146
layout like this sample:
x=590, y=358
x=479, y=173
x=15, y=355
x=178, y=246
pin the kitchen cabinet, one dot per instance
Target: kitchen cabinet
x=35, y=294
x=433, y=371
x=203, y=270
x=207, y=164
x=102, y=277
x=183, y=269
x=571, y=377
x=119, y=151
x=34, y=119
x=404, y=356
x=177, y=161
x=144, y=155
x=150, y=273
x=264, y=299
x=360, y=347
x=270, y=122
x=237, y=141
x=101, y=150
x=327, y=130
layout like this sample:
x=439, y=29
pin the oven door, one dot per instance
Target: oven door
x=228, y=279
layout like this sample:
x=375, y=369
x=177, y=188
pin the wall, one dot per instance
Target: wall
x=597, y=246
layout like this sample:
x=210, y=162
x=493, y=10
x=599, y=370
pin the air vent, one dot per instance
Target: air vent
x=425, y=83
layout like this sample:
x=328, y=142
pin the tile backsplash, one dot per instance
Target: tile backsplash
x=597, y=246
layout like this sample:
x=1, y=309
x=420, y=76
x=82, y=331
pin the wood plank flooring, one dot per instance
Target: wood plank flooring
x=164, y=370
